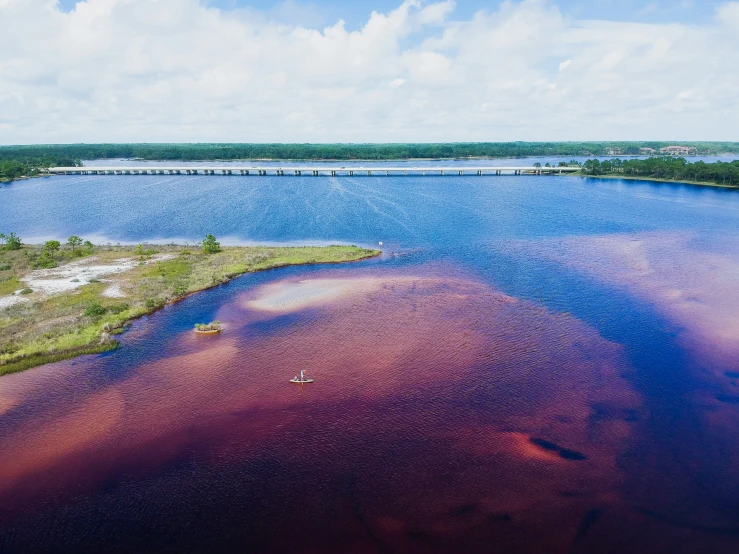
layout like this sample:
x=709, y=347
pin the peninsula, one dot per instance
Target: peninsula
x=61, y=301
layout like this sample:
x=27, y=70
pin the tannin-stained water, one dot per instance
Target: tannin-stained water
x=533, y=365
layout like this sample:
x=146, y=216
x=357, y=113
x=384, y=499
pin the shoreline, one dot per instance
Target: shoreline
x=95, y=335
x=659, y=180
x=5, y=180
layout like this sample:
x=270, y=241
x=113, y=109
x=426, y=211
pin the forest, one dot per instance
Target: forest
x=24, y=166
x=225, y=151
x=675, y=169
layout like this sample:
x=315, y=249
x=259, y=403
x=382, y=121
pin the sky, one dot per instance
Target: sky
x=367, y=70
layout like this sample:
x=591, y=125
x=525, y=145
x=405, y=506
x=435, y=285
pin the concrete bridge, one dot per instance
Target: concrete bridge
x=309, y=170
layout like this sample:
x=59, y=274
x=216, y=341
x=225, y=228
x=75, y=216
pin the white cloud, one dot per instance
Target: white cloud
x=178, y=70
x=729, y=14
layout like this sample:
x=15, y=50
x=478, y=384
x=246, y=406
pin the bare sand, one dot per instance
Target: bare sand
x=77, y=274
x=292, y=296
x=12, y=300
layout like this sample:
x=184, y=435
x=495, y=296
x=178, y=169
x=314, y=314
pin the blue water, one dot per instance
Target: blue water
x=459, y=226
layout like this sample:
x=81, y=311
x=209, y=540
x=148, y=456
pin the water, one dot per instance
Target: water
x=535, y=363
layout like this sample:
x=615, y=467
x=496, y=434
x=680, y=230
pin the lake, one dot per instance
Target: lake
x=535, y=363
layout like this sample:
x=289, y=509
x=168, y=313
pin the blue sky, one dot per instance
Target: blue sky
x=356, y=12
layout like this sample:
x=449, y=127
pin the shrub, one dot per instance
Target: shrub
x=95, y=310
x=139, y=251
x=9, y=348
x=26, y=291
x=212, y=326
x=180, y=290
x=118, y=308
x=4, y=267
x=152, y=303
x=13, y=242
x=46, y=260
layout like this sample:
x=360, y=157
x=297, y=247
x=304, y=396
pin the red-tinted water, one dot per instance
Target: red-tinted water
x=444, y=416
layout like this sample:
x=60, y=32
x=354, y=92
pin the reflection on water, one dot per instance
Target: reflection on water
x=535, y=364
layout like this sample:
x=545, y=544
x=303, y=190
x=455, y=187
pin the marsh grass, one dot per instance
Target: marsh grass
x=52, y=328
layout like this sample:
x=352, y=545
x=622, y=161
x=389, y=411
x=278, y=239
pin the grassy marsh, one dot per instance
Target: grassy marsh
x=50, y=327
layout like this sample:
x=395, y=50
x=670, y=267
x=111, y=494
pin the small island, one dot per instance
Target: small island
x=61, y=300
x=212, y=328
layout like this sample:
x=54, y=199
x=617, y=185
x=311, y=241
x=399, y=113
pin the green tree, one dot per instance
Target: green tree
x=52, y=246
x=13, y=242
x=74, y=241
x=211, y=245
x=592, y=167
x=90, y=247
x=3, y=237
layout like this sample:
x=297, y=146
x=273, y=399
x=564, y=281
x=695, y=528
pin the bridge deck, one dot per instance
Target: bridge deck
x=308, y=170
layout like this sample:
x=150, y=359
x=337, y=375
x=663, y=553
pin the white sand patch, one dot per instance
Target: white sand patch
x=8, y=301
x=77, y=274
x=114, y=291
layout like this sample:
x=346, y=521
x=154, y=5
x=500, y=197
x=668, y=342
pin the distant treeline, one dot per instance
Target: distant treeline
x=677, y=169
x=194, y=152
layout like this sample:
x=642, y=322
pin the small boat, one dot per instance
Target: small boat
x=302, y=379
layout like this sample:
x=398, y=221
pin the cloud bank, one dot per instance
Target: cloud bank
x=180, y=71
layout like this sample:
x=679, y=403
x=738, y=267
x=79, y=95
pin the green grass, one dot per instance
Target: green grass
x=38, y=359
x=52, y=328
x=9, y=285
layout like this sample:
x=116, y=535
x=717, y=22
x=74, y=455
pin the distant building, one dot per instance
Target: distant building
x=647, y=151
x=678, y=150
x=614, y=152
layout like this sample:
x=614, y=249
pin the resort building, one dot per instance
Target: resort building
x=678, y=150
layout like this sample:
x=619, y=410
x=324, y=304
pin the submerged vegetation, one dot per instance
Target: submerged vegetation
x=43, y=326
x=668, y=169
